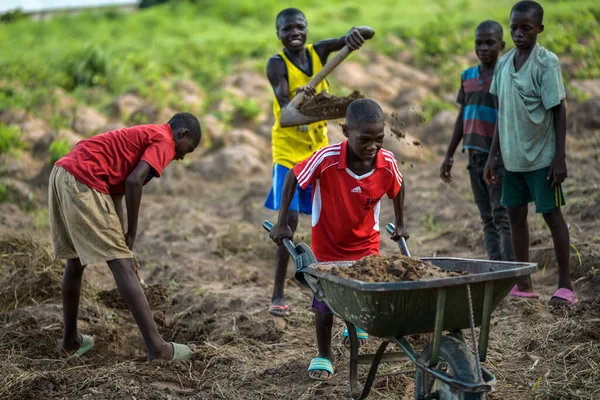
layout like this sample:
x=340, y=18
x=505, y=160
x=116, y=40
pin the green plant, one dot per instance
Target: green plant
x=58, y=149
x=432, y=107
x=429, y=223
x=3, y=193
x=248, y=108
x=87, y=68
x=10, y=139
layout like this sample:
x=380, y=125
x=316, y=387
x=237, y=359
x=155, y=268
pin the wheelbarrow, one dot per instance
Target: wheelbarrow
x=446, y=368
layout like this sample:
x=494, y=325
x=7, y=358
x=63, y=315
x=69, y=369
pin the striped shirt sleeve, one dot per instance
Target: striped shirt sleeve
x=310, y=169
x=392, y=167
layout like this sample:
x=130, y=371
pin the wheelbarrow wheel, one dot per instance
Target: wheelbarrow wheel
x=455, y=360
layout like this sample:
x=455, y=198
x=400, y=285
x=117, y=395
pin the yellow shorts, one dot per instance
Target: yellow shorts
x=83, y=221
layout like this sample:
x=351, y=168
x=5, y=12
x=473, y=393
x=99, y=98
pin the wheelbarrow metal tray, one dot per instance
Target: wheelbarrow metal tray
x=394, y=309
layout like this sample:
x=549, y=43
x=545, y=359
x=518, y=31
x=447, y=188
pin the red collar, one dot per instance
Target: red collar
x=343, y=164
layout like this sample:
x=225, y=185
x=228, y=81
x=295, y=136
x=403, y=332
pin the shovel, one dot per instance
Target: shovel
x=401, y=242
x=301, y=254
x=290, y=116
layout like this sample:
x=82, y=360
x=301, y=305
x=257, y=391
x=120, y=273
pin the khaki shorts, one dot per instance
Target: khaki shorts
x=83, y=221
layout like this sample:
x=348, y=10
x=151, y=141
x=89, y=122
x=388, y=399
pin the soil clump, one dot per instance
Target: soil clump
x=157, y=295
x=393, y=268
x=328, y=106
x=397, y=126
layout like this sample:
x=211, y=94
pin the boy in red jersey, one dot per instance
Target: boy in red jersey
x=86, y=217
x=349, y=179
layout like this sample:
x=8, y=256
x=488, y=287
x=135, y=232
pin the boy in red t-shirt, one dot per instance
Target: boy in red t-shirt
x=86, y=217
x=349, y=179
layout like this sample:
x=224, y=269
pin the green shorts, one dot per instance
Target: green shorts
x=521, y=188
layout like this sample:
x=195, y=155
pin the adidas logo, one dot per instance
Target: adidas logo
x=356, y=190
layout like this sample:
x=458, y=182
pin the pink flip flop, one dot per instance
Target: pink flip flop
x=517, y=293
x=279, y=311
x=567, y=295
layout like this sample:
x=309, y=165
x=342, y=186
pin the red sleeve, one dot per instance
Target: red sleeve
x=159, y=155
x=308, y=170
x=396, y=184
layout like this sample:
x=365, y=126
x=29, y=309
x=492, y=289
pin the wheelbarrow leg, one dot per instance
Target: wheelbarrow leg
x=354, y=365
x=353, y=358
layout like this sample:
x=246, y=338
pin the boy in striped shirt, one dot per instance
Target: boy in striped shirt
x=349, y=179
x=475, y=127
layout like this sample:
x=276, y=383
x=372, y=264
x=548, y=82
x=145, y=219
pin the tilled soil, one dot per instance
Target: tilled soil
x=328, y=106
x=157, y=295
x=392, y=268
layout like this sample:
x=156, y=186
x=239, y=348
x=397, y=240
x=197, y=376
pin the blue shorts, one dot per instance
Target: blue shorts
x=302, y=200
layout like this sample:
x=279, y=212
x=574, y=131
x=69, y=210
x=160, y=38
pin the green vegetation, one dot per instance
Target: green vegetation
x=10, y=139
x=58, y=149
x=96, y=55
x=432, y=107
x=3, y=193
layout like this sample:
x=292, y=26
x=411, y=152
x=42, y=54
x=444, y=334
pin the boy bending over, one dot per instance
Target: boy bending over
x=86, y=217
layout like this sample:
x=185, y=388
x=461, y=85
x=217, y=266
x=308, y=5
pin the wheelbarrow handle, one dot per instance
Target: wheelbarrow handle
x=289, y=245
x=401, y=242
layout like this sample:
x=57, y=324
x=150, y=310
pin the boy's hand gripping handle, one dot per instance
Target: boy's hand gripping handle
x=401, y=242
x=268, y=225
x=322, y=74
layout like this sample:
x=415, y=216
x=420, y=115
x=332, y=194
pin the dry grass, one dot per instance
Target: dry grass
x=551, y=358
x=28, y=272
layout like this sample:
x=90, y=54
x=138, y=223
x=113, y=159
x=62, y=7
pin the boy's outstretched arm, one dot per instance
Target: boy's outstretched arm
x=398, y=201
x=118, y=202
x=133, y=197
x=354, y=39
x=281, y=229
x=457, y=135
x=558, y=169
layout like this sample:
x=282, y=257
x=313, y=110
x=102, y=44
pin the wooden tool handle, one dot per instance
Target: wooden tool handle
x=322, y=74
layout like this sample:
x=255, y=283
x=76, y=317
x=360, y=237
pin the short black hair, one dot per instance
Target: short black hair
x=364, y=111
x=287, y=12
x=492, y=26
x=530, y=6
x=187, y=121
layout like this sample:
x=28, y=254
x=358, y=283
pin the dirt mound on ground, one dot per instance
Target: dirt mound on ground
x=157, y=295
x=393, y=268
x=28, y=272
x=328, y=106
x=212, y=317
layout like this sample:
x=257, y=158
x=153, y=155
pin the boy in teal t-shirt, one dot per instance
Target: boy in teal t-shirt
x=531, y=132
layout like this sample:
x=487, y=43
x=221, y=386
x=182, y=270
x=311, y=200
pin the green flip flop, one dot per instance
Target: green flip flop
x=181, y=352
x=321, y=364
x=87, y=343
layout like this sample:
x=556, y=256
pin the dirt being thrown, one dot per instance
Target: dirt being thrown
x=393, y=268
x=157, y=295
x=328, y=106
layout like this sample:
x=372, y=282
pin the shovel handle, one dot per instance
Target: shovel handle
x=322, y=74
x=390, y=228
x=268, y=225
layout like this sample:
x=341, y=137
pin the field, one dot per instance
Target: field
x=72, y=76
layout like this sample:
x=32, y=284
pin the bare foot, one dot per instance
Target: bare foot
x=320, y=374
x=66, y=349
x=164, y=353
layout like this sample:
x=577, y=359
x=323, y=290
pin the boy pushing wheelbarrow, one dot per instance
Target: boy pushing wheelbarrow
x=349, y=179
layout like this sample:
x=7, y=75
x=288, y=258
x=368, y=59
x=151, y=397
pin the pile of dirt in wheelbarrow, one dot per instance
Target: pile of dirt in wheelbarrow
x=328, y=106
x=393, y=268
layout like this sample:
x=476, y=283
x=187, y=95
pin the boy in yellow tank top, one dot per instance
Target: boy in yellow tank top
x=289, y=72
